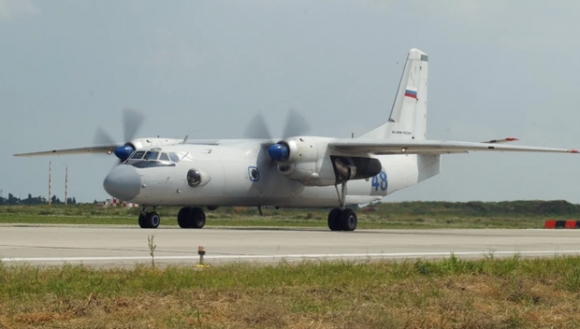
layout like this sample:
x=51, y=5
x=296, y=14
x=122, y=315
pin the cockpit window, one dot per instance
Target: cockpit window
x=151, y=155
x=174, y=157
x=150, y=159
x=137, y=155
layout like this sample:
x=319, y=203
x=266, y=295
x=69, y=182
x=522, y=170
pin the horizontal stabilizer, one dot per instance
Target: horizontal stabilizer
x=378, y=146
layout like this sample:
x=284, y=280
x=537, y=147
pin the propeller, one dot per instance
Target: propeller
x=102, y=138
x=295, y=125
x=257, y=129
x=132, y=121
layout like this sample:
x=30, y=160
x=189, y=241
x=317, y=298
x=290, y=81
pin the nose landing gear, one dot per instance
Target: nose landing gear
x=191, y=217
x=148, y=219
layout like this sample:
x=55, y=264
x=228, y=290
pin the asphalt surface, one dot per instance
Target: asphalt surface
x=125, y=246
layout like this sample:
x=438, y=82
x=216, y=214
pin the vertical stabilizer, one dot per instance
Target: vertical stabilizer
x=408, y=119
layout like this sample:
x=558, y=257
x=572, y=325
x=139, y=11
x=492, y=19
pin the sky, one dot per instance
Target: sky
x=204, y=68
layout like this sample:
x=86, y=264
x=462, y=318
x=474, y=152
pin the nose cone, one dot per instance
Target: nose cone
x=123, y=182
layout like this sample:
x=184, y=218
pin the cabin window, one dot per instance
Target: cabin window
x=254, y=174
x=193, y=178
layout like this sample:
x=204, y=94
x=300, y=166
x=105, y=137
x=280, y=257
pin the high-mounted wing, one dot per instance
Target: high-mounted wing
x=378, y=146
x=106, y=149
x=103, y=142
x=202, y=141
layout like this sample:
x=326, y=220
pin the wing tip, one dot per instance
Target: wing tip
x=573, y=151
x=512, y=139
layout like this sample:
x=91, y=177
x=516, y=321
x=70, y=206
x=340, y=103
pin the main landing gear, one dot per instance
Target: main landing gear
x=342, y=219
x=188, y=217
x=191, y=217
x=148, y=219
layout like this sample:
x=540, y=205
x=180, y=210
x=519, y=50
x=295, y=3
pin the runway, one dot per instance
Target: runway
x=124, y=246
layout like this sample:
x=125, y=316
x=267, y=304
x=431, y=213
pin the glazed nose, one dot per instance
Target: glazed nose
x=123, y=182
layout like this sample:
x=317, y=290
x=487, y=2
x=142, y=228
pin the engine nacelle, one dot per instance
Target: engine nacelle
x=302, y=159
x=308, y=160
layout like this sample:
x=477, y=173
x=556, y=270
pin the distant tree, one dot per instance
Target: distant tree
x=74, y=201
x=55, y=200
x=29, y=196
x=12, y=200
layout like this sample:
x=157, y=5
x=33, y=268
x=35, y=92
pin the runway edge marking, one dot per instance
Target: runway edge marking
x=289, y=256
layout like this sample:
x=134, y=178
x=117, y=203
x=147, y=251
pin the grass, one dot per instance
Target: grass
x=450, y=293
x=242, y=216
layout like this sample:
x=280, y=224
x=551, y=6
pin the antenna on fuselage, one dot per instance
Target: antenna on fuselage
x=185, y=139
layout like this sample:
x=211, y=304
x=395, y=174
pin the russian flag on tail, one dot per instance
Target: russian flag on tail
x=411, y=93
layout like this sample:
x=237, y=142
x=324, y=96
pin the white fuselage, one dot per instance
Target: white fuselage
x=229, y=182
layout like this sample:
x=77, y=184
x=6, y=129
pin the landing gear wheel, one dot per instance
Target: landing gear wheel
x=142, y=221
x=152, y=220
x=189, y=217
x=348, y=220
x=197, y=218
x=334, y=219
x=183, y=217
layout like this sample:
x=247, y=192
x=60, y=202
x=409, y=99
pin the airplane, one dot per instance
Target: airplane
x=297, y=170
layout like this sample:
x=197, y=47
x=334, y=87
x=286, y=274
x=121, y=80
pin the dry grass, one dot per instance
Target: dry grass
x=422, y=215
x=453, y=293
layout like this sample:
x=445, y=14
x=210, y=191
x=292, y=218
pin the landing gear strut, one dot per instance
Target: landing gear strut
x=342, y=219
x=191, y=217
x=148, y=219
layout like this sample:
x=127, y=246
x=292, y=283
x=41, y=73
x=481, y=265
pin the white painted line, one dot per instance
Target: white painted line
x=291, y=256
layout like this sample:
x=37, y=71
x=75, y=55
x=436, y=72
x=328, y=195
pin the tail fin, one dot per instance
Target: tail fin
x=408, y=119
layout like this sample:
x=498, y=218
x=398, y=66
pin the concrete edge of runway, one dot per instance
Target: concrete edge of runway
x=290, y=257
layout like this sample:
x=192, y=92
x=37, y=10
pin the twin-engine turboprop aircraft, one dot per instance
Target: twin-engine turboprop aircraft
x=296, y=171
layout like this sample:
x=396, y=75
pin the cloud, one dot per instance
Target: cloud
x=13, y=10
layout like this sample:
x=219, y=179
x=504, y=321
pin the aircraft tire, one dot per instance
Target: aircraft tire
x=142, y=221
x=348, y=220
x=152, y=220
x=183, y=217
x=334, y=219
x=197, y=218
